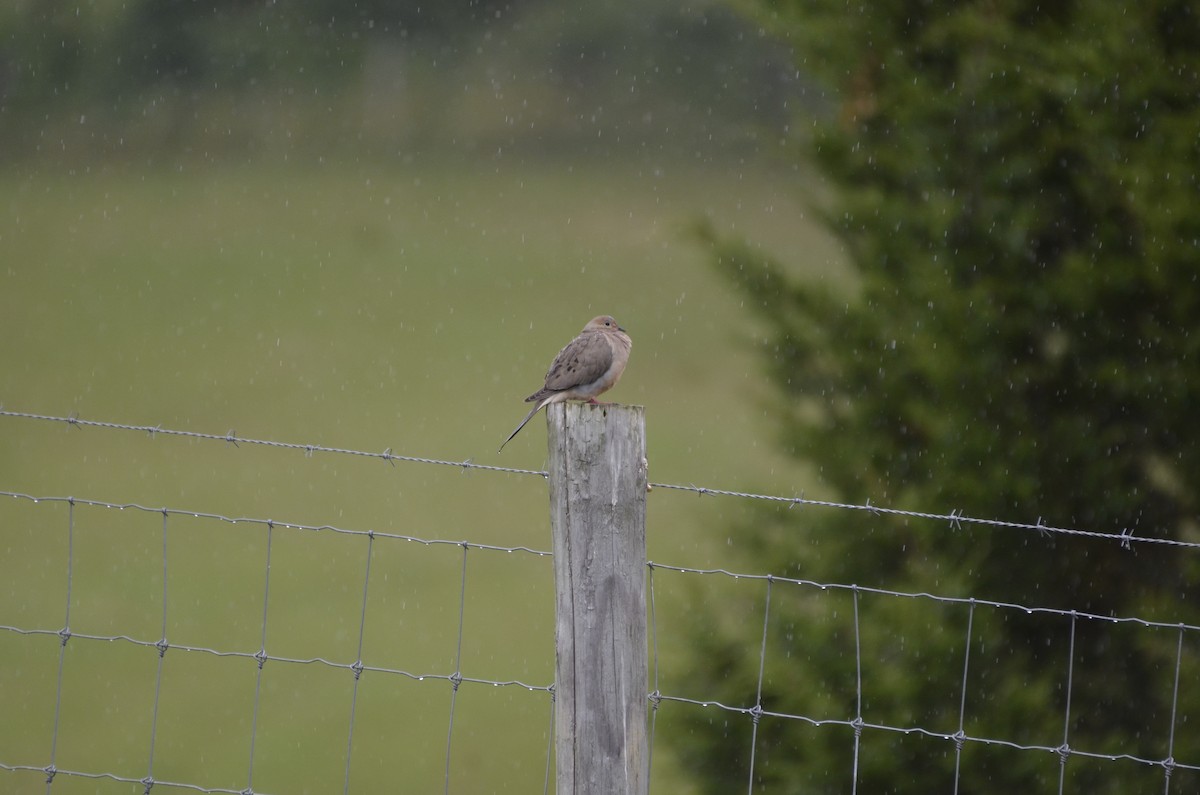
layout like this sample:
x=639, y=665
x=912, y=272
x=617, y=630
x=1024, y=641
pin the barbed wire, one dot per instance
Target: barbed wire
x=955, y=519
x=232, y=438
x=466, y=545
x=950, y=600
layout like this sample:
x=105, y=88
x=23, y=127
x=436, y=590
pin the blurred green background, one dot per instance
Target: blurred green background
x=367, y=226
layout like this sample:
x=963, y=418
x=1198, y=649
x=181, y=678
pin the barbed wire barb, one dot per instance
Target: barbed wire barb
x=956, y=518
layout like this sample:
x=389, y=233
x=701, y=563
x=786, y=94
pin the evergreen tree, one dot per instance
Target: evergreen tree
x=1016, y=186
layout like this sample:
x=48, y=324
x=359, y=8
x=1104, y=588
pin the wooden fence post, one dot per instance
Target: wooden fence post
x=598, y=519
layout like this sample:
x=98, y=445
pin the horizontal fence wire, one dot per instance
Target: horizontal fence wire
x=948, y=600
x=954, y=519
x=755, y=712
x=259, y=657
x=132, y=506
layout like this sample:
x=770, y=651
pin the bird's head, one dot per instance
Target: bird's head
x=602, y=323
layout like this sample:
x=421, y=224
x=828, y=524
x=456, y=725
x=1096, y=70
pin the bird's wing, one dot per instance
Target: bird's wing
x=584, y=360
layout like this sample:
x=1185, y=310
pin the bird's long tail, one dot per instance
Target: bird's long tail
x=536, y=408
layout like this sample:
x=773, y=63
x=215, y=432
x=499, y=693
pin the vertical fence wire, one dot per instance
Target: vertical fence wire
x=357, y=668
x=1177, y=726
x=64, y=636
x=654, y=693
x=858, y=716
x=757, y=711
x=960, y=735
x=549, y=746
x=1169, y=762
x=260, y=658
x=456, y=678
x=1064, y=750
x=162, y=647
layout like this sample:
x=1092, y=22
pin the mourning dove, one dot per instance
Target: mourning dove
x=589, y=365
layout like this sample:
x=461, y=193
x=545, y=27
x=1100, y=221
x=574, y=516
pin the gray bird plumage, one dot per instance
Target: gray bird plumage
x=589, y=365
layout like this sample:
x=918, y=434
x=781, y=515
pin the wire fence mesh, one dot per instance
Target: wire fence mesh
x=352, y=664
x=57, y=640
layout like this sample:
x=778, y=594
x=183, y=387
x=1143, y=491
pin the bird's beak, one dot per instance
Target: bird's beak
x=621, y=329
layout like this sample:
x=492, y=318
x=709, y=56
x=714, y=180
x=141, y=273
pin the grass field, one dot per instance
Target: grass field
x=364, y=305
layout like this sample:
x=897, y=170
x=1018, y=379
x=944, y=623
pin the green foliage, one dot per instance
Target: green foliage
x=232, y=76
x=1016, y=186
x=105, y=54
